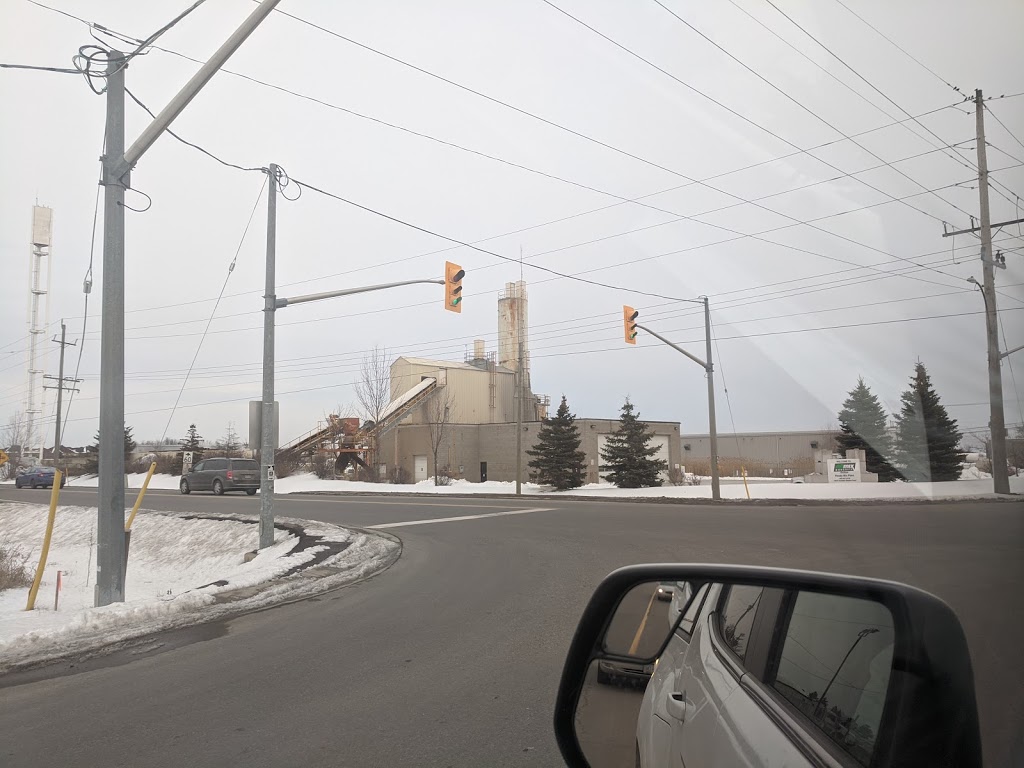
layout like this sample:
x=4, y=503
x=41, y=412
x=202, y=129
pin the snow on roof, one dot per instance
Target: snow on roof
x=401, y=400
x=448, y=364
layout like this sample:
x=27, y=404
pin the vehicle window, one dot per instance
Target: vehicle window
x=834, y=667
x=199, y=467
x=736, y=616
x=215, y=464
x=244, y=464
x=693, y=610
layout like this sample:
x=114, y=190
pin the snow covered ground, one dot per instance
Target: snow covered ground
x=974, y=485
x=172, y=565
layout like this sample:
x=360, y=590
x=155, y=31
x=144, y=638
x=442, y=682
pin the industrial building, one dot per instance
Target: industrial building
x=467, y=413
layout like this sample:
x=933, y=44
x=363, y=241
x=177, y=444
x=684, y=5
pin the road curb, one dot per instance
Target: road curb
x=795, y=502
x=317, y=576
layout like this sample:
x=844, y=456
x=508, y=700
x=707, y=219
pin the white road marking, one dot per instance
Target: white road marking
x=402, y=502
x=462, y=517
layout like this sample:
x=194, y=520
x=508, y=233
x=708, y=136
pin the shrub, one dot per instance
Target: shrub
x=14, y=571
x=323, y=465
x=399, y=476
x=286, y=463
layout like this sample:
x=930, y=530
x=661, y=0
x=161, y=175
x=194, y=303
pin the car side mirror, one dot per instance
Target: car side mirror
x=815, y=668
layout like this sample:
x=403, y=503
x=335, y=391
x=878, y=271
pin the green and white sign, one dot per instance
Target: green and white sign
x=844, y=470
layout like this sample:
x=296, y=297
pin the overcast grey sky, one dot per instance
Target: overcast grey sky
x=766, y=288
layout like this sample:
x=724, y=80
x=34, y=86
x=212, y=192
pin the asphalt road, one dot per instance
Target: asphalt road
x=452, y=656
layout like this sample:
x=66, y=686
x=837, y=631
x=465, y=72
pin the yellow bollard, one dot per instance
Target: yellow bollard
x=745, y=486
x=138, y=501
x=54, y=495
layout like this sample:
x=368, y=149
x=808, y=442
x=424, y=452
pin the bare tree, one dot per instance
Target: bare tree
x=13, y=440
x=373, y=393
x=373, y=390
x=439, y=413
x=230, y=445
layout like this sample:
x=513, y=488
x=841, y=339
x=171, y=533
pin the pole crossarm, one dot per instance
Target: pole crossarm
x=978, y=229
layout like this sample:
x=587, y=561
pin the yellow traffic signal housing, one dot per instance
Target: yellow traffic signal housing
x=629, y=316
x=453, y=275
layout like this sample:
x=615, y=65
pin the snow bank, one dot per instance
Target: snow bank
x=973, y=484
x=732, y=488
x=180, y=571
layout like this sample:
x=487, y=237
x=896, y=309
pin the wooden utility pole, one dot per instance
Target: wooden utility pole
x=997, y=423
x=60, y=386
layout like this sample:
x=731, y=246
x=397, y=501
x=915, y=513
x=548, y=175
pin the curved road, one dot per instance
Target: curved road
x=452, y=656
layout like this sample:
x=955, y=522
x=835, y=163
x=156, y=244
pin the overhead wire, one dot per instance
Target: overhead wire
x=224, y=285
x=875, y=88
x=800, y=104
x=579, y=133
x=86, y=290
x=619, y=349
x=903, y=50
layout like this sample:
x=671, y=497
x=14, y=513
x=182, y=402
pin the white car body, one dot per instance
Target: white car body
x=695, y=712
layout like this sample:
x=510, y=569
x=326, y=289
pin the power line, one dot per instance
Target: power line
x=905, y=52
x=797, y=222
x=189, y=143
x=797, y=102
x=676, y=215
x=875, y=88
x=351, y=359
x=231, y=269
x=450, y=239
x=1005, y=128
x=87, y=286
x=617, y=348
x=578, y=133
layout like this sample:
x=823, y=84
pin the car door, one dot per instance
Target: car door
x=195, y=477
x=655, y=722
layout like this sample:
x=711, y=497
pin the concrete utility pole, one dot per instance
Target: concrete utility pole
x=267, y=447
x=117, y=165
x=997, y=424
x=60, y=386
x=519, y=409
x=716, y=490
x=110, y=513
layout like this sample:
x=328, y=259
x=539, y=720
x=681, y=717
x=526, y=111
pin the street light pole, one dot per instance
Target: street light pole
x=267, y=447
x=270, y=306
x=708, y=366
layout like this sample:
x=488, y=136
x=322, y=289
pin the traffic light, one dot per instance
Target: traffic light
x=453, y=275
x=629, y=316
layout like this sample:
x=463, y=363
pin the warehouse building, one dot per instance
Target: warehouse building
x=760, y=453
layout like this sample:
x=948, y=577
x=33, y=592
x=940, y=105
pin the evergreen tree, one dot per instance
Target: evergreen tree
x=862, y=422
x=92, y=463
x=926, y=438
x=558, y=460
x=629, y=455
x=193, y=442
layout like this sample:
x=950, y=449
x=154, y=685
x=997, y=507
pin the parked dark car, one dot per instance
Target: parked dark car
x=222, y=475
x=38, y=477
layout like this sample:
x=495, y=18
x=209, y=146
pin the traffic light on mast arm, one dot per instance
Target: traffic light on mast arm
x=453, y=275
x=629, y=316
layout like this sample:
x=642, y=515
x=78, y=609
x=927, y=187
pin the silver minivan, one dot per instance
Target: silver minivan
x=222, y=475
